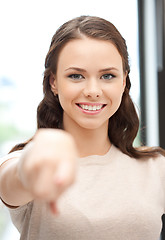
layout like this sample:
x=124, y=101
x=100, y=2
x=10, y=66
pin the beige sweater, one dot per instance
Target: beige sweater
x=115, y=197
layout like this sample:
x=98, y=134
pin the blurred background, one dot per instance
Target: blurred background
x=25, y=34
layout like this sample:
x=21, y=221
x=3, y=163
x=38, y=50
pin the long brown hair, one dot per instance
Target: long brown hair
x=124, y=124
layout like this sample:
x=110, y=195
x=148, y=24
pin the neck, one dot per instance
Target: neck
x=90, y=141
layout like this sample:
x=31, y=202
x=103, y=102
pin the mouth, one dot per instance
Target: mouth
x=91, y=107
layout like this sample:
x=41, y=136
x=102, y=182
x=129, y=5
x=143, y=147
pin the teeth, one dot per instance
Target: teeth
x=91, y=107
x=98, y=107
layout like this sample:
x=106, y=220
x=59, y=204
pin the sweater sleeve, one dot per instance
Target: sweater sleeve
x=20, y=215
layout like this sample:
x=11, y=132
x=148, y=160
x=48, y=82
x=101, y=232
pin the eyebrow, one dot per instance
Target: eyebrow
x=108, y=69
x=83, y=70
x=76, y=68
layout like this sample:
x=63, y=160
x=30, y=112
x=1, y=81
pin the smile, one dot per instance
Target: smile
x=93, y=107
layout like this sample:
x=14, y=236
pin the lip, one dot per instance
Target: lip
x=90, y=112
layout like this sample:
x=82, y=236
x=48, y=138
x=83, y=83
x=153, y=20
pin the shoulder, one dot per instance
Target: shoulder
x=160, y=163
x=157, y=160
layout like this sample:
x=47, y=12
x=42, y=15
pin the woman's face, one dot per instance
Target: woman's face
x=89, y=82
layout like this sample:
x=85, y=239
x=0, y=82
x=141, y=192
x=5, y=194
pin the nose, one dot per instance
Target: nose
x=92, y=89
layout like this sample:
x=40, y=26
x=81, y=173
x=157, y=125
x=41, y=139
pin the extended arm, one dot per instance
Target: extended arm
x=44, y=170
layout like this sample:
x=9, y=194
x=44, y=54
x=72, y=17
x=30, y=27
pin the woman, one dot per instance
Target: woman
x=81, y=161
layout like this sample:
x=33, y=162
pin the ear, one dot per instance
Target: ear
x=53, y=83
x=124, y=80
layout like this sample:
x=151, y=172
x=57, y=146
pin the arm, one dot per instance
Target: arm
x=45, y=169
x=12, y=192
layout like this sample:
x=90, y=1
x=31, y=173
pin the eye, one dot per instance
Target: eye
x=76, y=76
x=107, y=76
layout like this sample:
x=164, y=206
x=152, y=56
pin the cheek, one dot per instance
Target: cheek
x=69, y=90
x=115, y=94
x=66, y=94
x=115, y=101
x=118, y=96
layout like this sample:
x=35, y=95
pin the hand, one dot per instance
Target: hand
x=48, y=165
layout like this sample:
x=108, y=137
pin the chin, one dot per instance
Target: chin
x=92, y=126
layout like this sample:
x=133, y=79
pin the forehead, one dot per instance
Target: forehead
x=83, y=51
